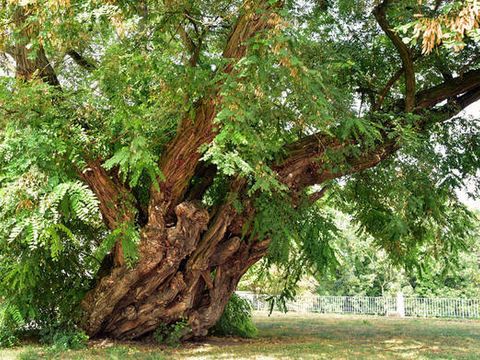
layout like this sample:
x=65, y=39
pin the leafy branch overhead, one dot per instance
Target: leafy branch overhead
x=457, y=22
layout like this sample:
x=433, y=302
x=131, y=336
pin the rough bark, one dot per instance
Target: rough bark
x=189, y=271
x=30, y=62
x=115, y=201
x=182, y=156
x=189, y=268
x=190, y=262
x=453, y=87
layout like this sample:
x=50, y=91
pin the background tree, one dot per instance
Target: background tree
x=367, y=271
x=364, y=269
x=153, y=151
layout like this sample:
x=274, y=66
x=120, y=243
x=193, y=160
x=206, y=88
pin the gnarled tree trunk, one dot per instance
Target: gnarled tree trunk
x=190, y=269
x=187, y=271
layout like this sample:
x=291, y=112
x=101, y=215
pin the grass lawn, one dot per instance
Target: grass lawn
x=307, y=336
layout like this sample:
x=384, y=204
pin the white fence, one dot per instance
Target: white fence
x=366, y=305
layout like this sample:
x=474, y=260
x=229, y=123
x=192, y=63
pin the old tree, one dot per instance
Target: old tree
x=153, y=151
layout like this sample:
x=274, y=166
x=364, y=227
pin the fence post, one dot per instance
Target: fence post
x=400, y=304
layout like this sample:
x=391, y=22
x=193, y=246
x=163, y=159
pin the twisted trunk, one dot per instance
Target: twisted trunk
x=187, y=271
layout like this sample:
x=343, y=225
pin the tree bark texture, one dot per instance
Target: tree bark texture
x=189, y=271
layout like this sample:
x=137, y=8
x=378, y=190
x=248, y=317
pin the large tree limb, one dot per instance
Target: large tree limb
x=115, y=201
x=459, y=85
x=306, y=163
x=30, y=62
x=451, y=109
x=257, y=16
x=27, y=68
x=81, y=60
x=469, y=98
x=315, y=168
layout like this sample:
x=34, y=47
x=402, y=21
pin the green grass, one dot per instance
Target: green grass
x=307, y=336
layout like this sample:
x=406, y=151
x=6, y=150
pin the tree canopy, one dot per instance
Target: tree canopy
x=152, y=151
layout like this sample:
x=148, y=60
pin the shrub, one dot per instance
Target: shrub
x=29, y=354
x=74, y=340
x=236, y=320
x=171, y=334
x=11, y=321
x=64, y=339
x=8, y=338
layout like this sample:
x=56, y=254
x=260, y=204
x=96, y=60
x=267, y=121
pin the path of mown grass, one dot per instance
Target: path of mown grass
x=308, y=336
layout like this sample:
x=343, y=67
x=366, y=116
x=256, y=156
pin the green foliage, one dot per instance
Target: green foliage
x=171, y=334
x=301, y=242
x=46, y=225
x=11, y=320
x=129, y=237
x=62, y=340
x=268, y=101
x=367, y=270
x=319, y=69
x=412, y=214
x=236, y=319
x=132, y=161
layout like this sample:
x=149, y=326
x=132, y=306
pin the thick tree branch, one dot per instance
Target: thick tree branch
x=469, y=98
x=459, y=85
x=451, y=109
x=299, y=172
x=303, y=161
x=317, y=195
x=190, y=45
x=81, y=61
x=404, y=52
x=306, y=163
x=27, y=68
x=30, y=62
x=256, y=17
x=115, y=201
x=388, y=86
